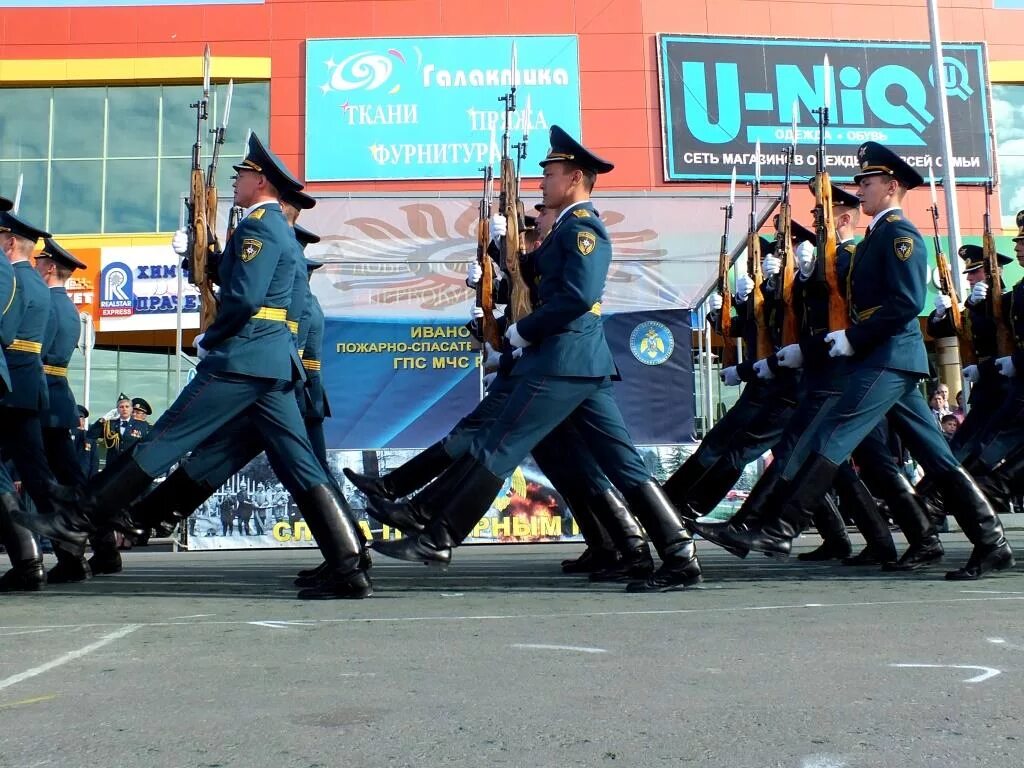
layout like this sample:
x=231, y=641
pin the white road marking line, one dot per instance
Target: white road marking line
x=543, y=647
x=452, y=594
x=70, y=656
x=193, y=616
x=556, y=615
x=988, y=592
x=823, y=761
x=1002, y=641
x=986, y=672
x=25, y=632
x=274, y=624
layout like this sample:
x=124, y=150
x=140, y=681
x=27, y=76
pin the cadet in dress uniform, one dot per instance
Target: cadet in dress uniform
x=249, y=365
x=564, y=373
x=55, y=265
x=22, y=548
x=885, y=289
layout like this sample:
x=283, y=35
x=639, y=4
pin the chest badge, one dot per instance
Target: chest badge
x=586, y=242
x=904, y=247
x=251, y=248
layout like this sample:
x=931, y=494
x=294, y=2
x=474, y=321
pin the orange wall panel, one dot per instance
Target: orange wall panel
x=604, y=52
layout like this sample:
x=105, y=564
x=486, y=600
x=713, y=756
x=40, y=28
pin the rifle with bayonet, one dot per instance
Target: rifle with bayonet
x=485, y=288
x=208, y=300
x=1004, y=339
x=783, y=282
x=946, y=285
x=511, y=207
x=755, y=305
x=198, y=222
x=826, y=268
x=724, y=289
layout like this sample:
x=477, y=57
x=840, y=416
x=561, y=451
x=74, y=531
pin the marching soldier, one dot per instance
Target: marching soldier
x=886, y=285
x=248, y=364
x=564, y=374
x=85, y=446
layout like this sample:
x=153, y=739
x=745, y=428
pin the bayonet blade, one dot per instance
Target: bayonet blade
x=515, y=64
x=757, y=163
x=227, y=105
x=17, y=193
x=206, y=70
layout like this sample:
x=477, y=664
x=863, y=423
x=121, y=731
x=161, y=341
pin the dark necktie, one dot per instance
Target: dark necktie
x=124, y=426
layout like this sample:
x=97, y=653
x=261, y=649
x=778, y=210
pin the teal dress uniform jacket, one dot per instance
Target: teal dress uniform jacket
x=24, y=353
x=316, y=405
x=8, y=319
x=886, y=288
x=250, y=335
x=565, y=328
x=64, y=325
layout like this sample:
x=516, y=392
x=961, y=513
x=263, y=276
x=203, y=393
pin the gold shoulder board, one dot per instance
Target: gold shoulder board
x=258, y=213
x=581, y=213
x=893, y=217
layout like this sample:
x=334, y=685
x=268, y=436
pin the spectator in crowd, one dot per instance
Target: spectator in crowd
x=228, y=510
x=244, y=511
x=959, y=410
x=938, y=405
x=263, y=499
x=949, y=423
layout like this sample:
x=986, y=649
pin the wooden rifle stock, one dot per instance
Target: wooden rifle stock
x=790, y=332
x=825, y=226
x=485, y=288
x=1004, y=339
x=764, y=338
x=725, y=291
x=514, y=247
x=965, y=343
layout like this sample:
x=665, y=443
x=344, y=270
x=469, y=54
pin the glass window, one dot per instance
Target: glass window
x=75, y=187
x=25, y=123
x=133, y=119
x=174, y=185
x=33, y=187
x=78, y=122
x=130, y=201
x=1008, y=115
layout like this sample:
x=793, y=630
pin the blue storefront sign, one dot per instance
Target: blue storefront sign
x=720, y=95
x=428, y=107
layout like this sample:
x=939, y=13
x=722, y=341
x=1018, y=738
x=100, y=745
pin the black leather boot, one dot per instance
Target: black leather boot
x=710, y=488
x=71, y=567
x=979, y=521
x=403, y=480
x=171, y=502
x=452, y=522
x=26, y=573
x=634, y=555
x=911, y=515
x=856, y=497
x=414, y=514
x=102, y=505
x=106, y=557
x=835, y=542
x=764, y=502
x=600, y=552
x=775, y=537
x=663, y=523
x=679, y=483
x=330, y=521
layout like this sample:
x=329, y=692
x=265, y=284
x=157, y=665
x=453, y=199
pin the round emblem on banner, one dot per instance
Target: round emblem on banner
x=651, y=342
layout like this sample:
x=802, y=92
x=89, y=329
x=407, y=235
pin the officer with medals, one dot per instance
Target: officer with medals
x=249, y=367
x=988, y=388
x=886, y=289
x=119, y=430
x=564, y=374
x=26, y=573
x=55, y=265
x=86, y=449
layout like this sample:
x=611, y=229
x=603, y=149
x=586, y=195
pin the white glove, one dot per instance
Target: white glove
x=491, y=357
x=201, y=352
x=489, y=379
x=806, y=259
x=771, y=266
x=979, y=292
x=730, y=377
x=475, y=313
x=1006, y=366
x=762, y=370
x=744, y=285
x=179, y=243
x=971, y=374
x=841, y=346
x=715, y=301
x=517, y=353
x=942, y=304
x=110, y=415
x=791, y=356
x=512, y=334
x=499, y=226
x=473, y=274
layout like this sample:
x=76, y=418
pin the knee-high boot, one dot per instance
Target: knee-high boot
x=764, y=502
x=26, y=574
x=635, y=560
x=600, y=552
x=403, y=480
x=776, y=535
x=663, y=523
x=454, y=518
x=979, y=521
x=835, y=543
x=910, y=513
x=856, y=498
x=330, y=520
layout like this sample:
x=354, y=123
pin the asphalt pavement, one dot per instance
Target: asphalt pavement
x=206, y=659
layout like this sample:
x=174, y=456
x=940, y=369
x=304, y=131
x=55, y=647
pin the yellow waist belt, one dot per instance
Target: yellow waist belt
x=596, y=309
x=293, y=326
x=311, y=365
x=20, y=345
x=54, y=370
x=278, y=314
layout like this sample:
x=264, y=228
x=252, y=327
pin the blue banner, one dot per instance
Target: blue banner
x=428, y=107
x=720, y=95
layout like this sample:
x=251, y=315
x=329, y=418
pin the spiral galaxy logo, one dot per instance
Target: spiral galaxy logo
x=363, y=71
x=652, y=342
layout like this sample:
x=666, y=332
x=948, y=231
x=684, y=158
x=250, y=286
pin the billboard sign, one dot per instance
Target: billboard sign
x=428, y=107
x=720, y=95
x=138, y=290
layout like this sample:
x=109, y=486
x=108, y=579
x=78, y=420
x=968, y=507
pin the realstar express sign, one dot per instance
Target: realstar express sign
x=722, y=94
